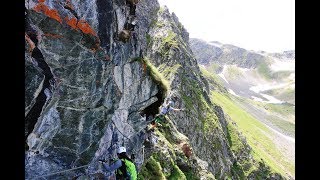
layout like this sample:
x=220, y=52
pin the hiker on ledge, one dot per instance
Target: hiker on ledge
x=165, y=109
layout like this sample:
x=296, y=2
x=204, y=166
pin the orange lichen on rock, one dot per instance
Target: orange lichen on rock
x=144, y=66
x=85, y=27
x=81, y=24
x=52, y=13
x=72, y=22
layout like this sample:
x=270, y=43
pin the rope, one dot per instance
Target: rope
x=120, y=131
x=61, y=171
x=87, y=164
x=143, y=153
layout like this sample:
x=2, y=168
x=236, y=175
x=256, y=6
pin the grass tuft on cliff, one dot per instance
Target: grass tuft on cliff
x=157, y=76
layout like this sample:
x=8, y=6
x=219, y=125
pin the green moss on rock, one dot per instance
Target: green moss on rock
x=151, y=170
x=177, y=174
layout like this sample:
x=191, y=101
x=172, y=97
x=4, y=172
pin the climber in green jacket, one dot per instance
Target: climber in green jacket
x=124, y=166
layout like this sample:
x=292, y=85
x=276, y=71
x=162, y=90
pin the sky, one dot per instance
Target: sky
x=259, y=25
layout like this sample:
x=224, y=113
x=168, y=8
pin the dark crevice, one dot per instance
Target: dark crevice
x=129, y=24
x=72, y=11
x=125, y=34
x=105, y=19
x=133, y=10
x=153, y=109
x=35, y=111
x=131, y=18
x=132, y=5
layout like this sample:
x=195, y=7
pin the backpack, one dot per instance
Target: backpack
x=127, y=171
x=159, y=118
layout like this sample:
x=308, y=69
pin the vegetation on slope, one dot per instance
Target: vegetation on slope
x=280, y=115
x=246, y=165
x=214, y=68
x=233, y=72
x=213, y=80
x=168, y=160
x=282, y=109
x=151, y=170
x=168, y=71
x=284, y=94
x=256, y=133
x=193, y=98
x=155, y=75
x=264, y=70
x=167, y=43
x=280, y=75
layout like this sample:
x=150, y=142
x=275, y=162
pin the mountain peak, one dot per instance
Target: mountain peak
x=224, y=53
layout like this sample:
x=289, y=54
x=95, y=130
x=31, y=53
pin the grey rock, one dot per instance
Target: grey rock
x=33, y=85
x=95, y=103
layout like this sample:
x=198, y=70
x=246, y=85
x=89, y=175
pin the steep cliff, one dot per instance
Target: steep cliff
x=96, y=71
x=212, y=135
x=169, y=51
x=84, y=89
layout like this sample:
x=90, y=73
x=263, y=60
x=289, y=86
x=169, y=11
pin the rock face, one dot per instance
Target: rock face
x=84, y=89
x=224, y=54
x=96, y=71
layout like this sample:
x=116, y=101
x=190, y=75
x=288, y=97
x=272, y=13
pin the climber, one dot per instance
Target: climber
x=124, y=166
x=149, y=133
x=165, y=109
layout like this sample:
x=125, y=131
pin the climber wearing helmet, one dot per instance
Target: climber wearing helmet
x=124, y=166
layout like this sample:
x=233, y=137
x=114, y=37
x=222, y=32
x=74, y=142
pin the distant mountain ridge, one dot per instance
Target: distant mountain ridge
x=285, y=55
x=205, y=52
x=262, y=84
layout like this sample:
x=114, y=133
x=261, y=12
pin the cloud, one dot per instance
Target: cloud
x=267, y=25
